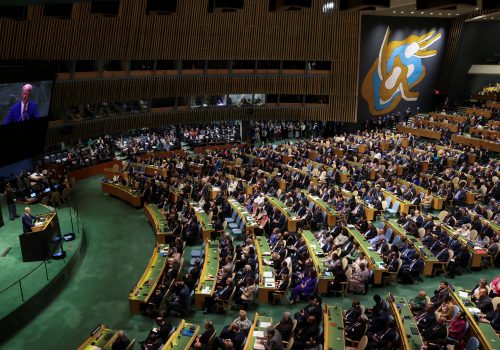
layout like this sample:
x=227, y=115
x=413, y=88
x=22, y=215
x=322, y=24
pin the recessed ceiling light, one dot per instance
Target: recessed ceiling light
x=449, y=14
x=477, y=8
x=440, y=14
x=393, y=11
x=402, y=12
x=432, y=13
x=422, y=12
x=458, y=14
x=412, y=12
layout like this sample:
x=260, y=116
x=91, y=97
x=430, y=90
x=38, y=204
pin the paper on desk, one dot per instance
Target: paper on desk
x=264, y=324
x=268, y=274
x=463, y=294
x=269, y=280
x=93, y=347
x=258, y=334
x=258, y=346
x=474, y=310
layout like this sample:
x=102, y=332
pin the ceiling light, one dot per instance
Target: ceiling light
x=393, y=11
x=432, y=13
x=440, y=13
x=329, y=6
x=422, y=12
x=402, y=12
x=412, y=12
x=477, y=8
x=449, y=14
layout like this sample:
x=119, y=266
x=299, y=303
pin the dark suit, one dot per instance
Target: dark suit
x=484, y=304
x=28, y=222
x=14, y=115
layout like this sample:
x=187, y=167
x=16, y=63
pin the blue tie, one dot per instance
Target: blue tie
x=25, y=112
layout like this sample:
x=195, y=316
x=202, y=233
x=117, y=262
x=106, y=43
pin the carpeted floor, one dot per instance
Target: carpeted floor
x=120, y=243
x=12, y=266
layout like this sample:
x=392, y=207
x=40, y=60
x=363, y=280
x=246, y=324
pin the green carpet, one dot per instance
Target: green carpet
x=13, y=268
x=120, y=243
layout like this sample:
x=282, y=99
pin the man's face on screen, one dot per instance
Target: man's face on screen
x=26, y=95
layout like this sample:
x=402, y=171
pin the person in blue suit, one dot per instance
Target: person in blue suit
x=28, y=220
x=23, y=110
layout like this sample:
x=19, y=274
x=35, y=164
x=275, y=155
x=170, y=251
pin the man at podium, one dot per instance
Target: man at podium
x=28, y=220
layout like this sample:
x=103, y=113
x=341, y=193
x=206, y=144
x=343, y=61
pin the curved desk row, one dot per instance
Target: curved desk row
x=125, y=193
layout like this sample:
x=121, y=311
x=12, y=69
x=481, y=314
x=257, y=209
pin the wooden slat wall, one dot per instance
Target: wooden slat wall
x=69, y=94
x=194, y=34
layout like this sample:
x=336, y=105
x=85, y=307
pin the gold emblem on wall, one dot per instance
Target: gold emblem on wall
x=396, y=71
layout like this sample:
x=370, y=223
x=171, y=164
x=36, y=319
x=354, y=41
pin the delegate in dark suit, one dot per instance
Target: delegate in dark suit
x=28, y=222
x=17, y=114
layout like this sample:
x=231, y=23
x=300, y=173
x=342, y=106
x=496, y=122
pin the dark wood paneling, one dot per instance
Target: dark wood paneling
x=192, y=33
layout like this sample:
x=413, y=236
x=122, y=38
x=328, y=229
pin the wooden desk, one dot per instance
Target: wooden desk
x=93, y=170
x=123, y=192
x=486, y=335
x=404, y=206
x=148, y=170
x=206, y=286
x=214, y=192
x=318, y=259
x=101, y=337
x=291, y=217
x=175, y=194
x=343, y=177
x=495, y=227
x=250, y=222
x=430, y=134
x=475, y=142
x=249, y=188
x=266, y=284
x=428, y=258
x=159, y=224
x=477, y=255
x=477, y=111
x=331, y=214
x=437, y=201
x=369, y=210
x=149, y=280
x=470, y=197
x=405, y=322
x=260, y=323
x=375, y=262
x=183, y=337
x=333, y=328
x=206, y=224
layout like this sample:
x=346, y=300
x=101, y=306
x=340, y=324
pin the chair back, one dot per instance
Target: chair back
x=395, y=207
x=472, y=344
x=495, y=302
x=362, y=308
x=396, y=240
x=473, y=235
x=442, y=215
x=388, y=202
x=363, y=342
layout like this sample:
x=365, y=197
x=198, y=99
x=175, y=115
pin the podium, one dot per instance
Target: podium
x=43, y=240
